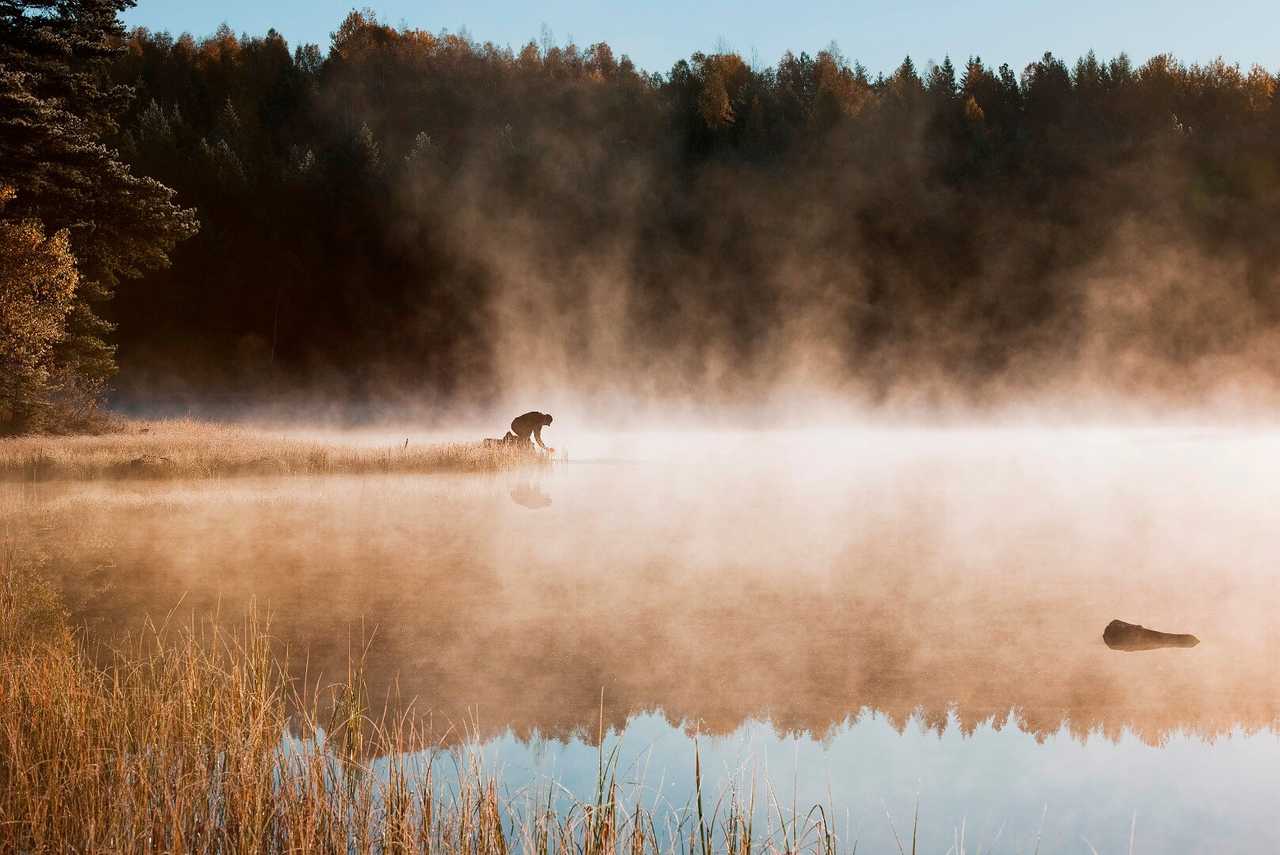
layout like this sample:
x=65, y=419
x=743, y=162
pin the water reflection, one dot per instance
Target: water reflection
x=1007, y=789
x=890, y=619
x=960, y=585
x=530, y=496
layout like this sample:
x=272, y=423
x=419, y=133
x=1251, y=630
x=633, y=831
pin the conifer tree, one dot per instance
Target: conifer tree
x=942, y=80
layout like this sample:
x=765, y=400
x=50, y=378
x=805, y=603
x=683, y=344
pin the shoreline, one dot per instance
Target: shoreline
x=185, y=449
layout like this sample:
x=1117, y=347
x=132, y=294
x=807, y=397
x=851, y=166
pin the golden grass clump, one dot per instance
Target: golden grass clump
x=195, y=740
x=180, y=743
x=193, y=449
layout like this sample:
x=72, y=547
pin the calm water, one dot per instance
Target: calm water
x=865, y=619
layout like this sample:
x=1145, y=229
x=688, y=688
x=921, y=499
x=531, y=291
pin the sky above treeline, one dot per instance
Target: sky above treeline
x=657, y=33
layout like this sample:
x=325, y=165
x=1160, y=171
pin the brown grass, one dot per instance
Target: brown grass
x=192, y=449
x=180, y=742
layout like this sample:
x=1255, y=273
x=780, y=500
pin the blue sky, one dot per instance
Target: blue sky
x=655, y=34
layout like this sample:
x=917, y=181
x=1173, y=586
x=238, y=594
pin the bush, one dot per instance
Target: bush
x=31, y=613
x=37, y=290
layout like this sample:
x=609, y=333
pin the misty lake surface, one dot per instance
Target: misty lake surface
x=865, y=619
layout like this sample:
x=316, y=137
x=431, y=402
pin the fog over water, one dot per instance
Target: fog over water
x=895, y=611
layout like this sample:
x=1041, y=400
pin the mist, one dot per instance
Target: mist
x=930, y=573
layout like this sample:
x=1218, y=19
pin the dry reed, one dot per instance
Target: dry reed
x=193, y=739
x=192, y=449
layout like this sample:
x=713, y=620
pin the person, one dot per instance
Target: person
x=530, y=424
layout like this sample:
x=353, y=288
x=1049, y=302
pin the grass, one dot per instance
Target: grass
x=193, y=739
x=192, y=449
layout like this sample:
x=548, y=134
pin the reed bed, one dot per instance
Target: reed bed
x=191, y=449
x=193, y=739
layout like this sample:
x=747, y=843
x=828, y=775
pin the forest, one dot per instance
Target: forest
x=414, y=219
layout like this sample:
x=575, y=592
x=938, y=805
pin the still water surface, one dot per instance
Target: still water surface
x=866, y=619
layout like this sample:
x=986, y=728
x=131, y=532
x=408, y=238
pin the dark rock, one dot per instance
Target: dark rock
x=1131, y=636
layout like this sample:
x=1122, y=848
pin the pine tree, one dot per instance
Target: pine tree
x=57, y=115
x=942, y=80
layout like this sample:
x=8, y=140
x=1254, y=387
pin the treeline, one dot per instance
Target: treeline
x=411, y=216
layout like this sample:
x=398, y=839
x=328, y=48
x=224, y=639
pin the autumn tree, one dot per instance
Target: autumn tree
x=37, y=291
x=721, y=77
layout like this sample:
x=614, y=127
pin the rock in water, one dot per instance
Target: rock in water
x=1131, y=636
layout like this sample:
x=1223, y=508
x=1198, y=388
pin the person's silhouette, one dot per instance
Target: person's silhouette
x=530, y=425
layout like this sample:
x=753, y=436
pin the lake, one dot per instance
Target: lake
x=869, y=619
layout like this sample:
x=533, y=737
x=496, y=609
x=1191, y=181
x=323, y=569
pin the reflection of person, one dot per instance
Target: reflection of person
x=531, y=496
x=530, y=424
